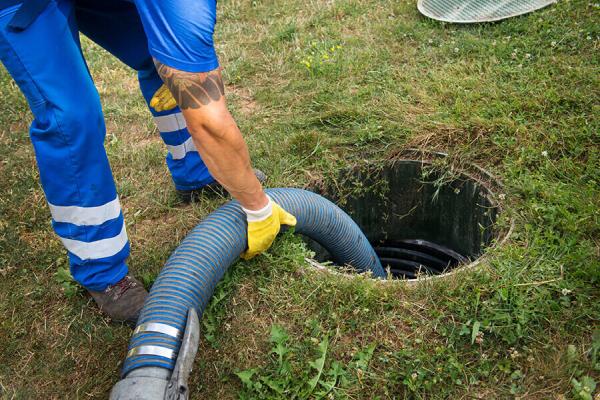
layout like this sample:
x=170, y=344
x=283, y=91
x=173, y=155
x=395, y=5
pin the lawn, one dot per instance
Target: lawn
x=317, y=86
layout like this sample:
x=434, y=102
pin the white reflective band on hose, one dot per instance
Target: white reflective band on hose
x=159, y=328
x=179, y=152
x=98, y=249
x=86, y=215
x=151, y=351
x=170, y=123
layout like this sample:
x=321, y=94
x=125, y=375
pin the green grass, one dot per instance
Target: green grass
x=316, y=86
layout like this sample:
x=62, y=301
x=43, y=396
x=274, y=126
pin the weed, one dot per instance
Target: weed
x=69, y=286
x=321, y=57
x=584, y=388
x=286, y=377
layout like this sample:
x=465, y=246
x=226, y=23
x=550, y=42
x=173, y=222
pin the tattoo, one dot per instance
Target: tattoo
x=192, y=89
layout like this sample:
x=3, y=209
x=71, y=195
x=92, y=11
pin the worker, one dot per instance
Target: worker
x=167, y=40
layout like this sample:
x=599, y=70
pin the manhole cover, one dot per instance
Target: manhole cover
x=471, y=11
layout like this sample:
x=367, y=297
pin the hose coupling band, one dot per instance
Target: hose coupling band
x=152, y=351
x=159, y=328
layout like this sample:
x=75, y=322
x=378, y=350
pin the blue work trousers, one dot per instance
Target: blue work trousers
x=68, y=129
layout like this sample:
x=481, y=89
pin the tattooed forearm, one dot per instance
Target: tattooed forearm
x=192, y=89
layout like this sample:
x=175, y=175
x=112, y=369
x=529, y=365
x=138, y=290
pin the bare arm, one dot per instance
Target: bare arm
x=201, y=97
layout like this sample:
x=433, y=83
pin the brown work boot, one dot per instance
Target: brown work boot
x=123, y=300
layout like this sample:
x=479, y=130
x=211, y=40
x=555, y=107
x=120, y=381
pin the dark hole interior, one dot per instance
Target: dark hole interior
x=420, y=219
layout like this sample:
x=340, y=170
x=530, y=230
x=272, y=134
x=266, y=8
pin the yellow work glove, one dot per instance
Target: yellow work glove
x=163, y=99
x=263, y=227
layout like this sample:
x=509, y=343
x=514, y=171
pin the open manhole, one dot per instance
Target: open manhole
x=423, y=217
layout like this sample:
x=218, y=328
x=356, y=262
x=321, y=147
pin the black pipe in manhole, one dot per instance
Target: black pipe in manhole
x=423, y=217
x=408, y=258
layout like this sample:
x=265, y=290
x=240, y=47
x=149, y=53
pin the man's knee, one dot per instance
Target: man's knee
x=201, y=97
x=214, y=121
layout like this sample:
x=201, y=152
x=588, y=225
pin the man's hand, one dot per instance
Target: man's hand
x=263, y=227
x=163, y=99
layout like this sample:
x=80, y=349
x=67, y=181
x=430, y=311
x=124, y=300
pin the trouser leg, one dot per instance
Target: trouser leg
x=186, y=166
x=68, y=138
x=115, y=25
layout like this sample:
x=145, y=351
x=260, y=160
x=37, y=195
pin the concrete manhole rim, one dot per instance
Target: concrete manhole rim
x=422, y=9
x=478, y=174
